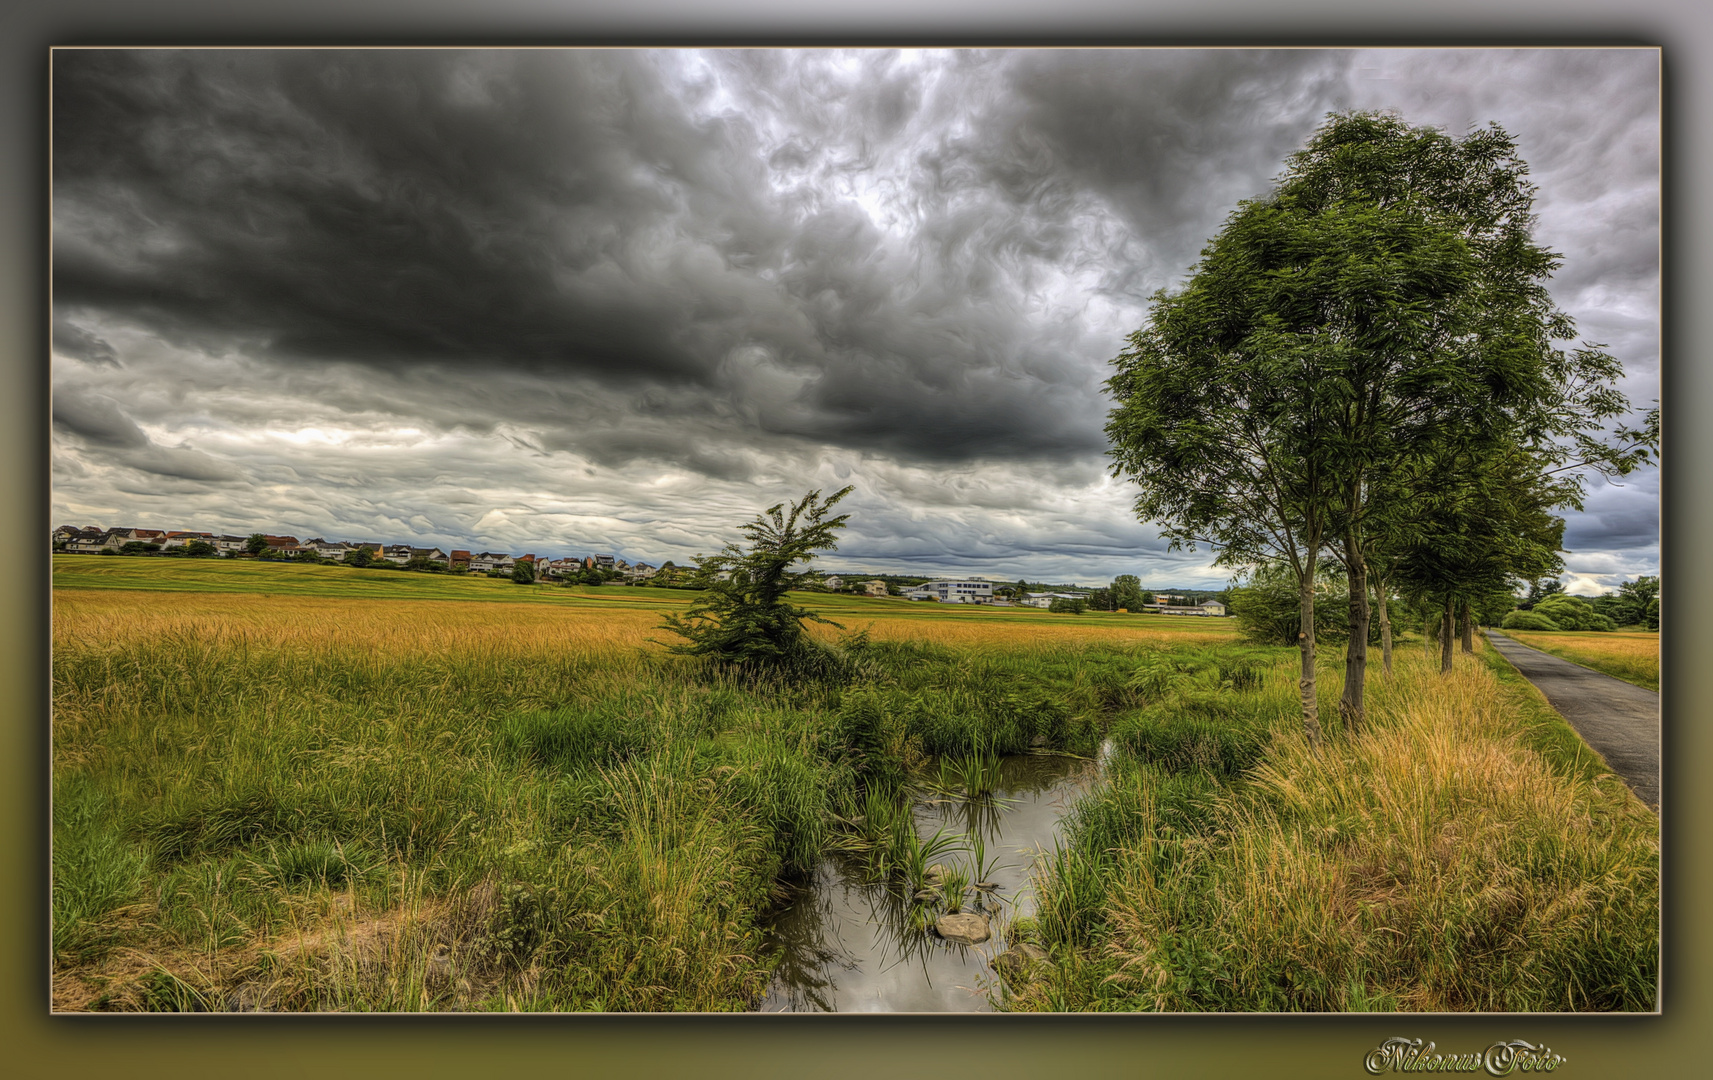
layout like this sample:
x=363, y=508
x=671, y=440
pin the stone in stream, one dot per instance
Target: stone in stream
x=934, y=875
x=965, y=929
x=927, y=894
x=1018, y=959
x=986, y=886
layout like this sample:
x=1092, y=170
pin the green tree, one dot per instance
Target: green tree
x=1634, y=600
x=1127, y=592
x=745, y=618
x=200, y=549
x=1539, y=590
x=256, y=544
x=359, y=557
x=1385, y=299
x=523, y=572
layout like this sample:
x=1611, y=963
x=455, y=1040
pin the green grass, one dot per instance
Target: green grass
x=353, y=802
x=277, y=787
x=1464, y=852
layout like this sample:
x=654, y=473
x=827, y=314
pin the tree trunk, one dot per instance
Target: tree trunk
x=1305, y=644
x=1445, y=635
x=1468, y=628
x=1350, y=705
x=1385, y=626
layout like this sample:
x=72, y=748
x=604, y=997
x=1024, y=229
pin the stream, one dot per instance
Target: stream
x=845, y=939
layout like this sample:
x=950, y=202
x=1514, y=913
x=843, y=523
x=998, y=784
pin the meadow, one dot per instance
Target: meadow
x=316, y=788
x=1630, y=655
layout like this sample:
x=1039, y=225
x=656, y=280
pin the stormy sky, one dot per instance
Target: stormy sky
x=616, y=301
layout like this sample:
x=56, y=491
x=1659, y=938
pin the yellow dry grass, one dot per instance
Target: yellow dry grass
x=1411, y=857
x=91, y=619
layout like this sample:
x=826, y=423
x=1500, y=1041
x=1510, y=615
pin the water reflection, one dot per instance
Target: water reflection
x=849, y=944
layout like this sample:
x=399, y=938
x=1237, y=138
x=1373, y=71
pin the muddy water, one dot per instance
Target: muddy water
x=847, y=943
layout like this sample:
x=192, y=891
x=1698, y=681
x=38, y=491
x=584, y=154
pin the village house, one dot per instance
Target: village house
x=640, y=572
x=834, y=583
x=327, y=549
x=178, y=538
x=875, y=588
x=458, y=559
x=89, y=541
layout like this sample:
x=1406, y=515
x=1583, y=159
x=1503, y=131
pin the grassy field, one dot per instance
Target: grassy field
x=316, y=788
x=1631, y=655
x=1464, y=852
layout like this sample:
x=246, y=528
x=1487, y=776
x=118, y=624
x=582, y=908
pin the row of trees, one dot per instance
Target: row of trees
x=1364, y=365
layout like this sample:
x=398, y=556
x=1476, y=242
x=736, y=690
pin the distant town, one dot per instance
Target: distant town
x=530, y=568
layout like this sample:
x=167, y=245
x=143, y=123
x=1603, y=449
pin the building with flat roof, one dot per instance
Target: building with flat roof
x=953, y=591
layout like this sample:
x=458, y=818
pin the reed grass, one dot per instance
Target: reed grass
x=294, y=799
x=1437, y=861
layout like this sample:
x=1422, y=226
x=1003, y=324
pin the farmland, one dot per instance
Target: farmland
x=316, y=788
x=1631, y=655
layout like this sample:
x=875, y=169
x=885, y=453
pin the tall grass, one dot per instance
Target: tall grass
x=296, y=801
x=303, y=802
x=1433, y=862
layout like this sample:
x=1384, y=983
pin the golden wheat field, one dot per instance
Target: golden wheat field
x=92, y=619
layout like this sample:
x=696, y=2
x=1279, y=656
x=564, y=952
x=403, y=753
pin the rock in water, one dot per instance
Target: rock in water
x=934, y=875
x=965, y=929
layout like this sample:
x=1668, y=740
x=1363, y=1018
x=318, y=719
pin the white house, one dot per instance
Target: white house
x=488, y=561
x=834, y=583
x=953, y=591
x=1045, y=599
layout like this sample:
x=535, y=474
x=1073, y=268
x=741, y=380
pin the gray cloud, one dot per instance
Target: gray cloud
x=620, y=300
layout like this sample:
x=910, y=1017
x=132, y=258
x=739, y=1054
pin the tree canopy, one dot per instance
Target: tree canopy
x=1380, y=314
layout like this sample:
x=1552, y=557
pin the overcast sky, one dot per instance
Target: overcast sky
x=617, y=301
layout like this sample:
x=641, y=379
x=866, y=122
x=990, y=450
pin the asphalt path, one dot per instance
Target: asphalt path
x=1620, y=721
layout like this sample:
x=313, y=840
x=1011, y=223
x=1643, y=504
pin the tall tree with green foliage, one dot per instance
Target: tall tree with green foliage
x=1384, y=299
x=1127, y=592
x=744, y=617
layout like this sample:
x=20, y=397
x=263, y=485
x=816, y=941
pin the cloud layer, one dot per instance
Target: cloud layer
x=617, y=301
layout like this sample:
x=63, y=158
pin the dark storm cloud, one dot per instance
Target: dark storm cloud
x=620, y=300
x=599, y=215
x=74, y=341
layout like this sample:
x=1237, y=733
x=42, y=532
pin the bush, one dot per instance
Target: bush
x=1572, y=613
x=1068, y=607
x=1527, y=620
x=1266, y=610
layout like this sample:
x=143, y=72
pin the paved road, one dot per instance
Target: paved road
x=1620, y=721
